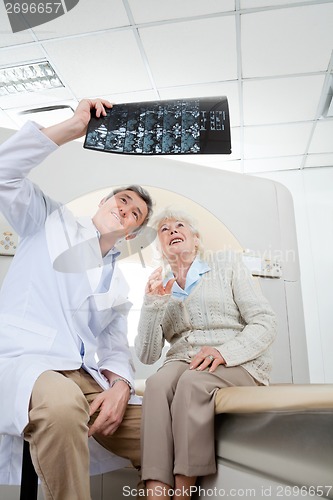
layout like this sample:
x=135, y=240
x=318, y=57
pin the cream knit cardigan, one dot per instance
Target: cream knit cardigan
x=226, y=310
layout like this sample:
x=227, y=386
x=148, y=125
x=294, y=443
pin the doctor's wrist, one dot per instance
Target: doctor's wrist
x=121, y=379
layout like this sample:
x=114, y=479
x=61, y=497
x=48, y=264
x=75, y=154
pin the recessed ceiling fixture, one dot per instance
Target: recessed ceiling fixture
x=327, y=108
x=49, y=115
x=329, y=113
x=28, y=78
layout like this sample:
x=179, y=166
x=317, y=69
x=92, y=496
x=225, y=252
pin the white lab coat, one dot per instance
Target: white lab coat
x=48, y=303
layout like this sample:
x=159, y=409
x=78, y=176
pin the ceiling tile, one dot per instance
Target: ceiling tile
x=281, y=100
x=228, y=89
x=6, y=121
x=191, y=52
x=319, y=160
x=99, y=65
x=35, y=99
x=85, y=18
x=21, y=55
x=255, y=4
x=150, y=10
x=7, y=36
x=272, y=164
x=276, y=140
x=148, y=95
x=322, y=139
x=287, y=41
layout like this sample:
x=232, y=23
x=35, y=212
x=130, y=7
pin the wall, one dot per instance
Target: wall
x=312, y=191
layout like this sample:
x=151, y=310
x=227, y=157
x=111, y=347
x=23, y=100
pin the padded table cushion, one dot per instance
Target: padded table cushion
x=274, y=397
x=297, y=397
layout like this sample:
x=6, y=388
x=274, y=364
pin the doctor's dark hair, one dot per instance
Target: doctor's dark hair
x=144, y=195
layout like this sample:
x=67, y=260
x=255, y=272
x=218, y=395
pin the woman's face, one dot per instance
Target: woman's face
x=177, y=240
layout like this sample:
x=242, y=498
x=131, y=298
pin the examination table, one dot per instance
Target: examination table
x=274, y=442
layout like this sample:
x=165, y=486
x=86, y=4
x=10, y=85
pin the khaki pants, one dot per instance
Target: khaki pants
x=178, y=419
x=58, y=433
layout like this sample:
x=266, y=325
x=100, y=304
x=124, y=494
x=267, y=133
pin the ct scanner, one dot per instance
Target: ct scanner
x=259, y=215
x=258, y=212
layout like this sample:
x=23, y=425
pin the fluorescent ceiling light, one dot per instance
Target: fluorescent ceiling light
x=28, y=78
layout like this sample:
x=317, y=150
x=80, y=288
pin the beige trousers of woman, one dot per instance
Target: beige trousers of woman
x=58, y=433
x=177, y=433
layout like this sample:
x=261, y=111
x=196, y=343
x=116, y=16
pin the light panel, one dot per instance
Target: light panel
x=28, y=78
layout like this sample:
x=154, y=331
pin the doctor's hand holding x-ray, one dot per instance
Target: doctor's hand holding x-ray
x=76, y=126
x=66, y=370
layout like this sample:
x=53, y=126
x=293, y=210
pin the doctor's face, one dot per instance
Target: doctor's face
x=121, y=214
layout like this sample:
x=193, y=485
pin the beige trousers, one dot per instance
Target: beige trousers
x=58, y=433
x=177, y=435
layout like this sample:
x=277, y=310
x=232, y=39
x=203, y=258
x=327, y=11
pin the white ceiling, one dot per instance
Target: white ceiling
x=271, y=58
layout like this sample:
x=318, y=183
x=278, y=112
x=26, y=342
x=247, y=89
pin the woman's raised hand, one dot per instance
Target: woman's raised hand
x=155, y=284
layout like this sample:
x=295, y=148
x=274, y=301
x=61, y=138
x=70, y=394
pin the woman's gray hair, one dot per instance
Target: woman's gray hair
x=174, y=213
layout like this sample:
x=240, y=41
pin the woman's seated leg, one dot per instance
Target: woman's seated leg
x=193, y=414
x=156, y=431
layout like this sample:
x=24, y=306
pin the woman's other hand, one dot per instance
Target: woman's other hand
x=207, y=357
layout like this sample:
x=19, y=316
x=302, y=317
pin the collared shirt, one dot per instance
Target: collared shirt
x=108, y=266
x=197, y=269
x=104, y=283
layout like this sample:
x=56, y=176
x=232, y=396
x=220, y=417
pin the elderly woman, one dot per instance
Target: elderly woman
x=220, y=328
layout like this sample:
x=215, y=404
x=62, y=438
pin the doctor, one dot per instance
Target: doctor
x=65, y=367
